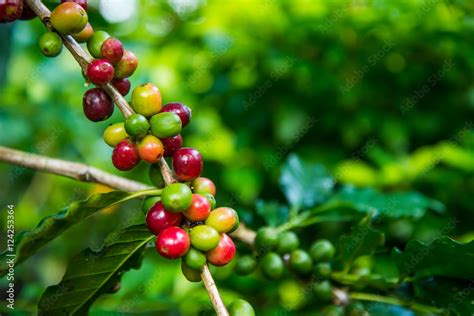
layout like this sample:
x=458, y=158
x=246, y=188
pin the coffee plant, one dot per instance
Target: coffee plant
x=183, y=221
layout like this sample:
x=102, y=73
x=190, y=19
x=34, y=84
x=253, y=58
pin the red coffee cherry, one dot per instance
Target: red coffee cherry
x=122, y=85
x=10, y=10
x=187, y=164
x=112, y=50
x=100, y=71
x=97, y=105
x=223, y=253
x=173, y=242
x=127, y=65
x=183, y=111
x=125, y=155
x=172, y=144
x=200, y=208
x=158, y=218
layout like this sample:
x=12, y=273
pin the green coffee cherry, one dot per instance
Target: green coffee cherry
x=156, y=177
x=356, y=309
x=301, y=262
x=245, y=265
x=333, y=311
x=322, y=290
x=94, y=44
x=51, y=44
x=322, y=250
x=176, y=197
x=114, y=134
x=241, y=308
x=272, y=266
x=266, y=239
x=148, y=203
x=211, y=200
x=287, y=242
x=137, y=125
x=195, y=259
x=165, y=124
x=323, y=269
x=204, y=237
x=190, y=274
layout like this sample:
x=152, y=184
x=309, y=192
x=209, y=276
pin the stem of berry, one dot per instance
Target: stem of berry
x=82, y=57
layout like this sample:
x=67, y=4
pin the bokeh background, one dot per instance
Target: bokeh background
x=379, y=92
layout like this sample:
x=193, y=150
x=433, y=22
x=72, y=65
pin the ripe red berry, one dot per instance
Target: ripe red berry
x=200, y=208
x=223, y=253
x=173, y=242
x=158, y=218
x=112, y=50
x=183, y=111
x=122, y=85
x=82, y=3
x=10, y=10
x=172, y=144
x=100, y=71
x=187, y=164
x=125, y=155
x=127, y=65
x=97, y=105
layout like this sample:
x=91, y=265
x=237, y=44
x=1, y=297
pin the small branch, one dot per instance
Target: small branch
x=74, y=170
x=82, y=57
x=214, y=295
x=245, y=235
x=166, y=172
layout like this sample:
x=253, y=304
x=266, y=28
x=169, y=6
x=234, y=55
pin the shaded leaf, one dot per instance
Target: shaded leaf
x=272, y=212
x=93, y=273
x=305, y=184
x=442, y=257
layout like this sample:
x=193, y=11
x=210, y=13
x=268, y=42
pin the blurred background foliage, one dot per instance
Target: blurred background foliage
x=379, y=92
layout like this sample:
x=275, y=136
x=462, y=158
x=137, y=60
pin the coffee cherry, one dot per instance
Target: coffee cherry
x=241, y=308
x=125, y=155
x=322, y=290
x=10, y=10
x=194, y=259
x=146, y=99
x=187, y=164
x=114, y=134
x=322, y=250
x=204, y=237
x=27, y=13
x=127, y=65
x=82, y=3
x=287, y=242
x=272, y=266
x=323, y=269
x=211, y=199
x=176, y=197
x=149, y=202
x=150, y=149
x=137, y=125
x=51, y=44
x=94, y=44
x=84, y=35
x=200, y=208
x=356, y=309
x=69, y=18
x=183, y=111
x=223, y=253
x=172, y=242
x=245, y=265
x=333, y=310
x=236, y=224
x=97, y=105
x=157, y=218
x=266, y=239
x=190, y=274
x=222, y=219
x=164, y=125
x=156, y=177
x=100, y=72
x=301, y=262
x=112, y=50
x=203, y=185
x=122, y=85
x=172, y=144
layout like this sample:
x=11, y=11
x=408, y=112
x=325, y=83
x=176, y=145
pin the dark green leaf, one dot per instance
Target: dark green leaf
x=442, y=257
x=93, y=273
x=272, y=212
x=399, y=204
x=29, y=242
x=305, y=184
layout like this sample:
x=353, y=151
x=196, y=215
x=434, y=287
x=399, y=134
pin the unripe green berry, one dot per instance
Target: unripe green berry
x=322, y=290
x=287, y=242
x=94, y=44
x=176, y=197
x=165, y=124
x=51, y=44
x=137, y=125
x=148, y=203
x=114, y=134
x=301, y=262
x=322, y=250
x=323, y=269
x=241, y=308
x=190, y=274
x=245, y=265
x=266, y=239
x=204, y=237
x=195, y=259
x=272, y=266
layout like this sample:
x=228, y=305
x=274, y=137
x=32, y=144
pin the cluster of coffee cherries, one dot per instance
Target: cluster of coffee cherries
x=12, y=10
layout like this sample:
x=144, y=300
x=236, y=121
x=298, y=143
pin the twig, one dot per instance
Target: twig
x=80, y=55
x=74, y=170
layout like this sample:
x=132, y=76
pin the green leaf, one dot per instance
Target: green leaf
x=93, y=273
x=399, y=204
x=442, y=257
x=363, y=240
x=272, y=212
x=305, y=184
x=29, y=242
